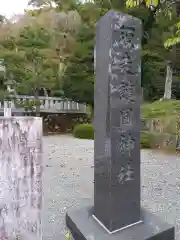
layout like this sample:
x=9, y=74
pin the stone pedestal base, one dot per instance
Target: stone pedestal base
x=84, y=227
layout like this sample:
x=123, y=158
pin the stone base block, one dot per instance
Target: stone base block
x=84, y=227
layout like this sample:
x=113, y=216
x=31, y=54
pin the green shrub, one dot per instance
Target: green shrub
x=161, y=109
x=162, y=125
x=153, y=140
x=145, y=140
x=84, y=131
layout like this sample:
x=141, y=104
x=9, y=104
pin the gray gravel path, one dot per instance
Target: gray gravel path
x=68, y=182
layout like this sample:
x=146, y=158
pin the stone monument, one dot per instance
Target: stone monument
x=20, y=178
x=117, y=213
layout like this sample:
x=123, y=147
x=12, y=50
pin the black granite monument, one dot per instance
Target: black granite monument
x=117, y=213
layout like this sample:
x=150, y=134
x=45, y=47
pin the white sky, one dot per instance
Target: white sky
x=11, y=7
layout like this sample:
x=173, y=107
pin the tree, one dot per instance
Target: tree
x=61, y=40
x=41, y=64
x=37, y=50
x=78, y=81
x=164, y=9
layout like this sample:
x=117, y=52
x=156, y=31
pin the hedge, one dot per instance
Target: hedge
x=145, y=140
x=148, y=139
x=84, y=131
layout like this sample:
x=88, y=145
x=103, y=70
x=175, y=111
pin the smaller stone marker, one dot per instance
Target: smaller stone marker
x=20, y=178
x=7, y=109
x=117, y=213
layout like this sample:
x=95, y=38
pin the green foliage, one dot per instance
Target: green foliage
x=79, y=77
x=148, y=20
x=175, y=39
x=172, y=41
x=145, y=140
x=3, y=94
x=84, y=131
x=30, y=60
x=68, y=236
x=61, y=58
x=153, y=65
x=34, y=38
x=162, y=141
x=78, y=81
x=28, y=105
x=160, y=109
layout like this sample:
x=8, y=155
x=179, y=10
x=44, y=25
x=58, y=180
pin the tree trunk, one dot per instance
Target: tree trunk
x=168, y=83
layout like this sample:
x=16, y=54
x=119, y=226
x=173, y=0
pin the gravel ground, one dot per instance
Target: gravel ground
x=68, y=182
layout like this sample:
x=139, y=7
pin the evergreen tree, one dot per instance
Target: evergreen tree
x=78, y=82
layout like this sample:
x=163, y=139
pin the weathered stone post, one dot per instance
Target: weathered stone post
x=7, y=109
x=117, y=212
x=20, y=178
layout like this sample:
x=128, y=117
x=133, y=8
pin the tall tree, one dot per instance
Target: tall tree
x=78, y=82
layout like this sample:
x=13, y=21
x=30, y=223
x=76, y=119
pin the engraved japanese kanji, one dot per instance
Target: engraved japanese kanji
x=118, y=23
x=126, y=35
x=21, y=183
x=125, y=116
x=125, y=91
x=122, y=63
x=125, y=174
x=126, y=144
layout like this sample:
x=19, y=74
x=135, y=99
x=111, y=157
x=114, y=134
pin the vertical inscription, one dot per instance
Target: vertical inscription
x=123, y=62
x=122, y=70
